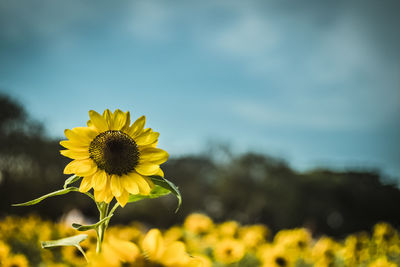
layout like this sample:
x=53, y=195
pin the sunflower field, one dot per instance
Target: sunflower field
x=252, y=205
x=197, y=242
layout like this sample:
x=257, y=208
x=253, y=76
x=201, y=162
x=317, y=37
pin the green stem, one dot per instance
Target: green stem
x=83, y=253
x=103, y=208
x=111, y=213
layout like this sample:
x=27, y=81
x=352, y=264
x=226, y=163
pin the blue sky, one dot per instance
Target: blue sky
x=316, y=83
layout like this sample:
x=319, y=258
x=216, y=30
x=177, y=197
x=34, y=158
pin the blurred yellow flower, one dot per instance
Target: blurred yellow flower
x=73, y=255
x=382, y=262
x=253, y=235
x=172, y=254
x=299, y=238
x=275, y=256
x=17, y=260
x=229, y=251
x=356, y=249
x=173, y=234
x=384, y=233
x=198, y=223
x=386, y=238
x=203, y=260
x=4, y=251
x=127, y=233
x=324, y=252
x=228, y=229
x=115, y=252
x=114, y=157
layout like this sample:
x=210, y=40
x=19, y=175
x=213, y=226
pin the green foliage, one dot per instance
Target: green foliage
x=157, y=191
x=52, y=194
x=82, y=228
x=164, y=183
x=68, y=241
x=71, y=180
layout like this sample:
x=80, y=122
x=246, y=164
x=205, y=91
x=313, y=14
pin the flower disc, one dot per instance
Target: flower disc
x=115, y=152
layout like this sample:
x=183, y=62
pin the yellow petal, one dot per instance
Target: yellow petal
x=115, y=185
x=119, y=120
x=105, y=194
x=99, y=180
x=127, y=251
x=123, y=198
x=137, y=127
x=149, y=182
x=146, y=138
x=174, y=253
x=107, y=115
x=153, y=155
x=74, y=145
x=109, y=257
x=86, y=132
x=98, y=121
x=81, y=167
x=147, y=168
x=73, y=154
x=130, y=184
x=86, y=184
x=91, y=126
x=144, y=186
x=160, y=173
x=154, y=144
x=153, y=244
x=127, y=122
x=99, y=195
x=81, y=135
x=109, y=196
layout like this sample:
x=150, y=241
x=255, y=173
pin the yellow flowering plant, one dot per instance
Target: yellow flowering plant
x=111, y=158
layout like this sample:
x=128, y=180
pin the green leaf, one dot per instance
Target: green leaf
x=157, y=191
x=52, y=194
x=69, y=241
x=164, y=183
x=81, y=227
x=71, y=180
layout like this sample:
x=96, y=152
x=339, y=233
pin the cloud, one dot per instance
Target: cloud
x=150, y=20
x=323, y=61
x=296, y=114
x=330, y=71
x=26, y=20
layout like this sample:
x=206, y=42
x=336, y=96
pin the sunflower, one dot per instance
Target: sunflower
x=114, y=157
x=382, y=262
x=229, y=250
x=156, y=250
x=276, y=256
x=17, y=260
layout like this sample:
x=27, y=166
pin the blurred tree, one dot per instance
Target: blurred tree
x=30, y=163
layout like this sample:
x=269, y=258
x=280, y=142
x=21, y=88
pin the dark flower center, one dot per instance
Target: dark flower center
x=280, y=261
x=115, y=152
x=301, y=244
x=228, y=252
x=329, y=254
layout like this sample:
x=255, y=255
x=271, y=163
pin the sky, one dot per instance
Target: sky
x=316, y=83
